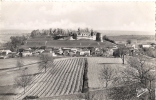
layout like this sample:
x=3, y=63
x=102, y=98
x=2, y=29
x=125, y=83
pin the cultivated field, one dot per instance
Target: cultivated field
x=65, y=77
x=95, y=64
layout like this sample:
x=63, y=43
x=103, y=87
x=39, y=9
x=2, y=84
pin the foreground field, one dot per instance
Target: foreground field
x=8, y=73
x=8, y=70
x=95, y=65
x=66, y=77
x=11, y=62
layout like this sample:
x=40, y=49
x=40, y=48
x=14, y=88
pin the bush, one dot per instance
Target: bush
x=43, y=47
x=85, y=88
x=116, y=53
x=107, y=39
x=151, y=52
x=30, y=97
x=75, y=36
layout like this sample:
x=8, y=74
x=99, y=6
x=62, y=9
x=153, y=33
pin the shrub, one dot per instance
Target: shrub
x=107, y=39
x=30, y=97
x=85, y=78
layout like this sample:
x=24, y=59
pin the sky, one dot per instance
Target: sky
x=127, y=16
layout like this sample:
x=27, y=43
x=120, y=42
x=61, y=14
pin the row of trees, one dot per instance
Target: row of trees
x=84, y=30
x=49, y=32
x=107, y=39
x=56, y=31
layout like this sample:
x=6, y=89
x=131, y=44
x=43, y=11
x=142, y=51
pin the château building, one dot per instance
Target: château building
x=88, y=34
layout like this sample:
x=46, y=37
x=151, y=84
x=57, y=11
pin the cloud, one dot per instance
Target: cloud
x=65, y=8
x=97, y=15
x=64, y=23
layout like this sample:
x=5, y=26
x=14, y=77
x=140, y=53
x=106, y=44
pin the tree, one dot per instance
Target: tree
x=92, y=32
x=75, y=36
x=152, y=44
x=151, y=88
x=24, y=79
x=16, y=41
x=33, y=34
x=120, y=52
x=136, y=76
x=51, y=32
x=19, y=63
x=143, y=74
x=128, y=41
x=44, y=61
x=9, y=46
x=122, y=92
x=86, y=29
x=106, y=74
x=66, y=53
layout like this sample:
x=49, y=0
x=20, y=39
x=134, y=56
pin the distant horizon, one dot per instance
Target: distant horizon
x=111, y=32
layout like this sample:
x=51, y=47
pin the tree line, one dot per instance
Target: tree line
x=108, y=39
x=56, y=31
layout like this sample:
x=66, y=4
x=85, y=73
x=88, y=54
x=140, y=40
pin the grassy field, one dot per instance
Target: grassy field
x=137, y=37
x=68, y=43
x=95, y=66
x=7, y=76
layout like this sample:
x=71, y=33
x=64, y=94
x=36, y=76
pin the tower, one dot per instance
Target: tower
x=101, y=37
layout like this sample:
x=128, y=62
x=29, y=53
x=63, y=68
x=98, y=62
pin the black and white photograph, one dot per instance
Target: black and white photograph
x=77, y=50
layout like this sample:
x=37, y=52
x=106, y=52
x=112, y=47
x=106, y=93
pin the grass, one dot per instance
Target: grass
x=95, y=64
x=132, y=37
x=93, y=95
x=7, y=76
x=69, y=43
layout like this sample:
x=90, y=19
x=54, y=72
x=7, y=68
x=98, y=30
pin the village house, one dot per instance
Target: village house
x=146, y=45
x=131, y=46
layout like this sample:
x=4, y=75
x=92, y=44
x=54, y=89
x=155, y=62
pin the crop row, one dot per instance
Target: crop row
x=65, y=77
